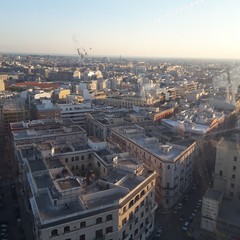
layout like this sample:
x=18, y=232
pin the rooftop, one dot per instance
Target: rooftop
x=213, y=194
x=168, y=152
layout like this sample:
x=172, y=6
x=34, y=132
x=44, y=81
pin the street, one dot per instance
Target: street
x=12, y=212
x=169, y=220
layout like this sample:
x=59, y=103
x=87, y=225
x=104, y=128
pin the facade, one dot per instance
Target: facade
x=45, y=110
x=75, y=112
x=129, y=102
x=11, y=111
x=210, y=207
x=173, y=163
x=112, y=197
x=100, y=124
x=227, y=168
x=220, y=210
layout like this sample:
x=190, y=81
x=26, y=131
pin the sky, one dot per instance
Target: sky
x=144, y=28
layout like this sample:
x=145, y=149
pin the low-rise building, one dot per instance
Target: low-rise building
x=173, y=163
x=112, y=198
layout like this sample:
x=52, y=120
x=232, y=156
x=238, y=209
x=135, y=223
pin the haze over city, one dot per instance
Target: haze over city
x=185, y=29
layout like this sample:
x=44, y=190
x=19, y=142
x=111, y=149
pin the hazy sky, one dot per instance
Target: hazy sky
x=151, y=28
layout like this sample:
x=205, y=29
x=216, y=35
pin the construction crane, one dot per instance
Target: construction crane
x=81, y=51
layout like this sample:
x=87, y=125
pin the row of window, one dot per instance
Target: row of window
x=77, y=158
x=83, y=224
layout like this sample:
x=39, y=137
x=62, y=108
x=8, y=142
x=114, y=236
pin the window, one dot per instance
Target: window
x=136, y=209
x=234, y=168
x=136, y=198
x=72, y=159
x=109, y=230
x=99, y=233
x=231, y=194
x=82, y=157
x=89, y=156
x=82, y=224
x=235, y=159
x=221, y=173
x=142, y=193
x=99, y=220
x=54, y=232
x=136, y=232
x=168, y=166
x=130, y=204
x=142, y=203
x=109, y=217
x=141, y=225
x=142, y=214
x=82, y=237
x=136, y=220
x=124, y=221
x=233, y=176
x=66, y=229
x=77, y=158
x=232, y=185
x=130, y=215
x=66, y=160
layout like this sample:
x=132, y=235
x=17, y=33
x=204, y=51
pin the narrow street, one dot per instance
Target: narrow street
x=13, y=212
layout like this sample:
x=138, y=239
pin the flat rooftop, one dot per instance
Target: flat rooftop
x=213, y=194
x=141, y=139
x=37, y=165
x=230, y=212
x=68, y=183
x=105, y=200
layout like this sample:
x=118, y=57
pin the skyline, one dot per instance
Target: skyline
x=173, y=29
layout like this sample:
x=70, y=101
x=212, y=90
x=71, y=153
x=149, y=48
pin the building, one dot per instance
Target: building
x=130, y=101
x=210, y=207
x=76, y=112
x=2, y=84
x=221, y=204
x=45, y=110
x=112, y=197
x=37, y=131
x=100, y=124
x=13, y=110
x=173, y=163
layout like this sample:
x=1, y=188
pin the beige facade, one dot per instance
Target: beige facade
x=115, y=200
x=129, y=102
x=173, y=163
x=2, y=85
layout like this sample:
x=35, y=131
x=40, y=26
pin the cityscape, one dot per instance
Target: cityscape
x=132, y=141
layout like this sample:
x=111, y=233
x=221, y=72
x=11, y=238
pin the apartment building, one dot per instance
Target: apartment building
x=173, y=163
x=221, y=208
x=130, y=101
x=99, y=124
x=11, y=111
x=112, y=197
x=45, y=110
x=227, y=167
x=37, y=131
x=76, y=112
